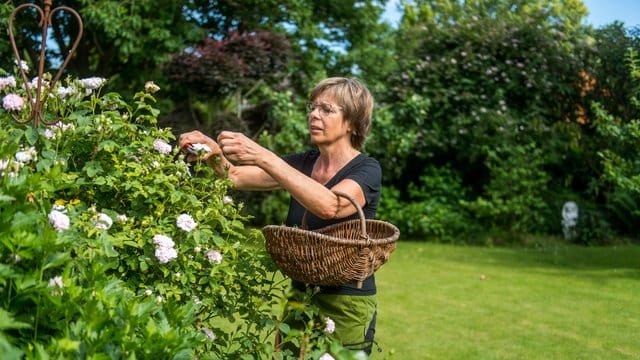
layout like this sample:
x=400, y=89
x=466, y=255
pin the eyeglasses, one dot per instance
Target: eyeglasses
x=324, y=109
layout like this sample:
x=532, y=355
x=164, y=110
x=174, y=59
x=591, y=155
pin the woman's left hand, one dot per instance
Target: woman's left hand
x=240, y=149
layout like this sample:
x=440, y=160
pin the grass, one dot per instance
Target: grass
x=559, y=302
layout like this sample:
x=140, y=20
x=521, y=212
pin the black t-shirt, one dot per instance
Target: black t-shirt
x=362, y=169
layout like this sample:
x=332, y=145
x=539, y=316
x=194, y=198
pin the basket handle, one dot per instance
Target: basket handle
x=363, y=223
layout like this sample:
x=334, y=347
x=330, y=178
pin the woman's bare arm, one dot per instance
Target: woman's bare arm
x=313, y=195
x=242, y=177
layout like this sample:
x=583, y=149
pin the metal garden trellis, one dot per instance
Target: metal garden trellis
x=46, y=17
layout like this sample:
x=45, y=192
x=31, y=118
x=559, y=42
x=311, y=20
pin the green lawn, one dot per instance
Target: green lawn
x=454, y=302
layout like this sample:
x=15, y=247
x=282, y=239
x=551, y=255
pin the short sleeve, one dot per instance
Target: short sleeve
x=368, y=174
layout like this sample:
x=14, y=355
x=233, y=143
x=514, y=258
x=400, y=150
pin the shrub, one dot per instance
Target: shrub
x=219, y=67
x=111, y=246
x=513, y=199
x=431, y=209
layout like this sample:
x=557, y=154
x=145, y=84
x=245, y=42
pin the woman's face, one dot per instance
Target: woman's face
x=326, y=121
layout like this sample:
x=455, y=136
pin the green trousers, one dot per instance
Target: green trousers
x=354, y=318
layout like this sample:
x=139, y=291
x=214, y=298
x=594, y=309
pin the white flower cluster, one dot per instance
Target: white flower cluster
x=11, y=168
x=51, y=131
x=330, y=325
x=23, y=65
x=34, y=83
x=103, y=221
x=92, y=83
x=15, y=102
x=22, y=157
x=181, y=165
x=161, y=146
x=199, y=149
x=326, y=356
x=165, y=251
x=151, y=87
x=62, y=126
x=66, y=91
x=4, y=165
x=209, y=333
x=56, y=285
x=186, y=222
x=49, y=134
x=7, y=81
x=27, y=155
x=214, y=256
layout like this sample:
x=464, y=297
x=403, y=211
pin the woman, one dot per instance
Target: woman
x=339, y=120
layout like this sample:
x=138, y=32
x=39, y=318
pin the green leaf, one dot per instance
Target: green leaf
x=108, y=146
x=284, y=328
x=183, y=355
x=8, y=351
x=43, y=165
x=49, y=154
x=56, y=259
x=144, y=308
x=6, y=198
x=32, y=135
x=67, y=344
x=93, y=168
x=41, y=353
x=7, y=321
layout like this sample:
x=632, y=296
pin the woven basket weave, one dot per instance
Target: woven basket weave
x=337, y=254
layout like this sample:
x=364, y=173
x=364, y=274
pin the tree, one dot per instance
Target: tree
x=129, y=40
x=478, y=80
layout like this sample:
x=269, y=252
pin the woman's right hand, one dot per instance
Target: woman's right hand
x=196, y=137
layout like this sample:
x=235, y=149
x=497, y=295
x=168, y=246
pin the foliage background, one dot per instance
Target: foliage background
x=499, y=104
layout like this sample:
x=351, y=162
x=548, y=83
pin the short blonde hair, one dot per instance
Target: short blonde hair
x=355, y=100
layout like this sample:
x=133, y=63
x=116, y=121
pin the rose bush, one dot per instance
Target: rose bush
x=111, y=246
x=83, y=204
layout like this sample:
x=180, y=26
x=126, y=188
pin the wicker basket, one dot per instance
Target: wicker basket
x=337, y=254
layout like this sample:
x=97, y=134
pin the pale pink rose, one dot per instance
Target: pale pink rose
x=161, y=146
x=49, y=134
x=186, y=222
x=163, y=241
x=13, y=102
x=103, y=222
x=165, y=254
x=59, y=220
x=92, y=83
x=8, y=81
x=214, y=256
x=64, y=92
x=27, y=155
x=330, y=325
